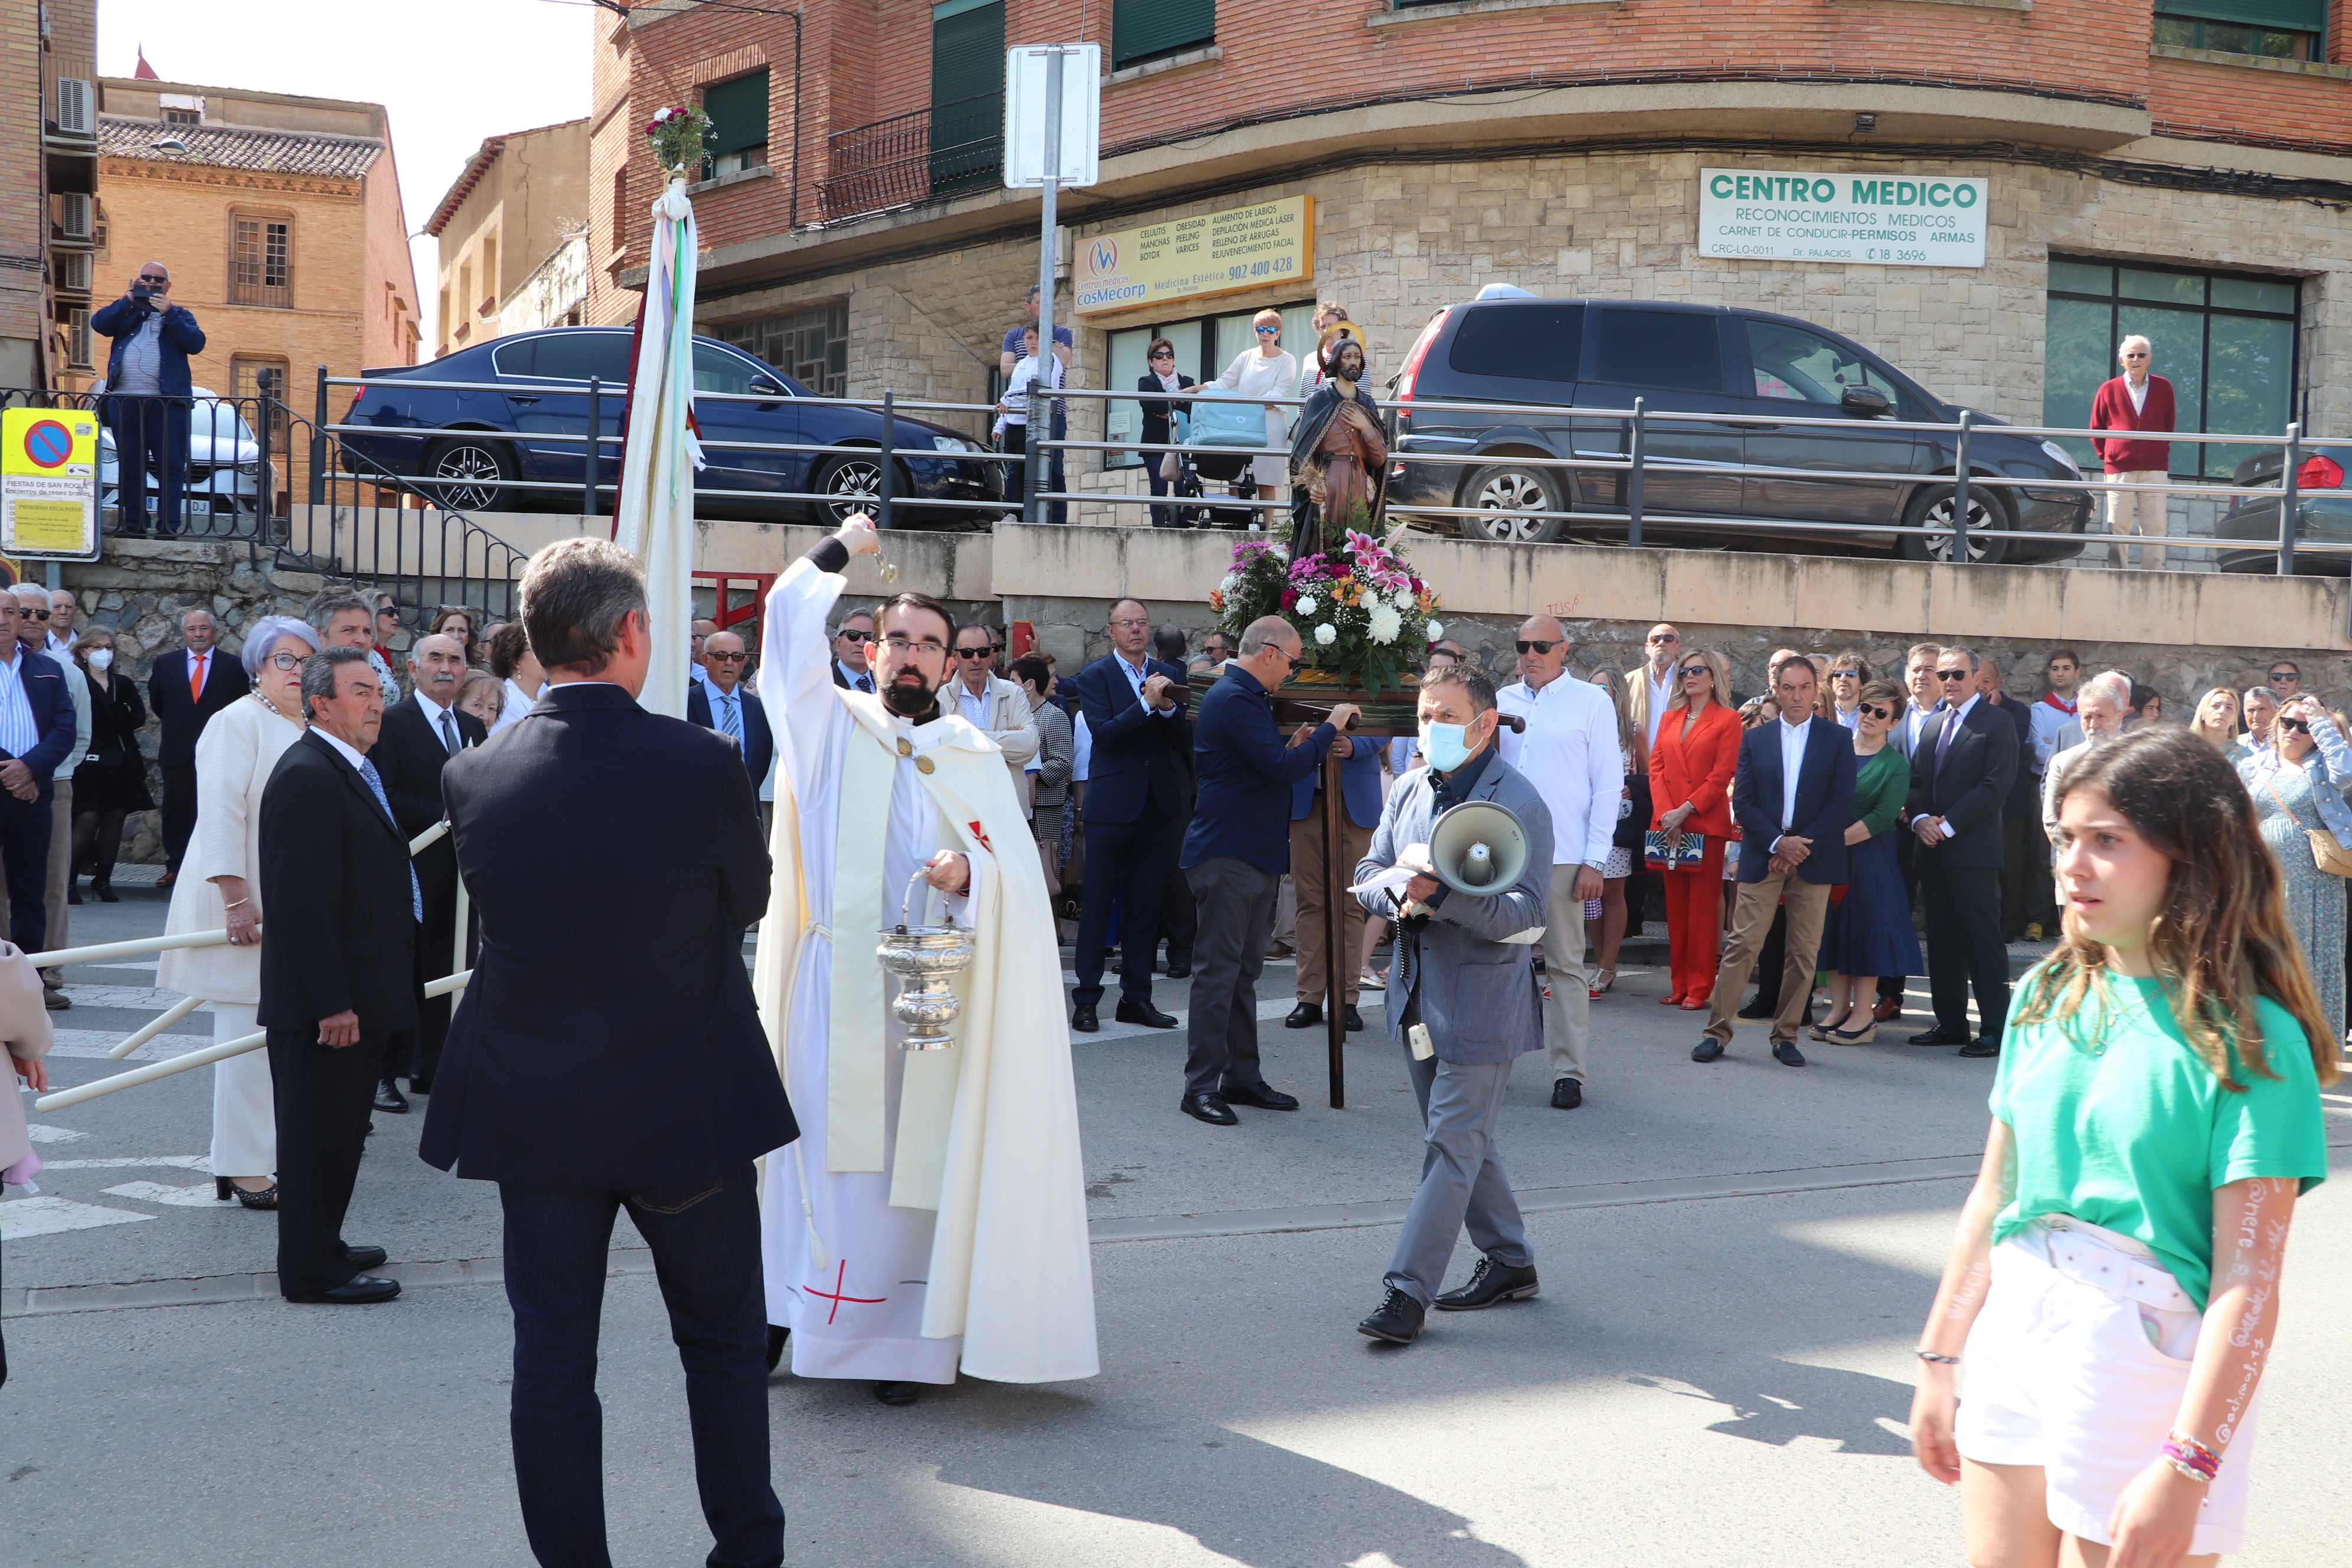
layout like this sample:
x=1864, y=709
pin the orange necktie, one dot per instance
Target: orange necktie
x=196, y=677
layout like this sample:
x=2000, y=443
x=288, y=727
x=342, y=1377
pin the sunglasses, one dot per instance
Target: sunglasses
x=728, y=657
x=2300, y=726
x=2136, y=354
x=851, y=635
x=1845, y=675
x=1164, y=354
x=1535, y=647
x=1667, y=637
x=1876, y=712
x=975, y=652
x=2284, y=675
x=1953, y=675
x=1269, y=332
x=1696, y=669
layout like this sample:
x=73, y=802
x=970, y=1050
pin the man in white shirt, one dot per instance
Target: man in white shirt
x=1568, y=751
x=993, y=703
x=63, y=608
x=57, y=873
x=1650, y=684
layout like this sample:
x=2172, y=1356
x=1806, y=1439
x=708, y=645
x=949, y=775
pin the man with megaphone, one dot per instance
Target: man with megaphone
x=1462, y=862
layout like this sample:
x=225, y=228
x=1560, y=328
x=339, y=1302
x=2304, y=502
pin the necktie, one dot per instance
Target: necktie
x=449, y=731
x=1943, y=741
x=865, y=683
x=375, y=783
x=730, y=716
x=196, y=677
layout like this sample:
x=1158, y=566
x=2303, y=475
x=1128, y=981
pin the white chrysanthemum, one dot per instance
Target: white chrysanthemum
x=1307, y=605
x=1232, y=583
x=1326, y=634
x=1404, y=603
x=1436, y=630
x=1384, y=624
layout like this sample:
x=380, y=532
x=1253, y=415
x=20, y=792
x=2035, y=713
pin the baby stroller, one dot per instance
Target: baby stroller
x=1225, y=434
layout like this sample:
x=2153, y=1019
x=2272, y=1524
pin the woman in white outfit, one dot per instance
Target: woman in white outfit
x=1266, y=371
x=220, y=885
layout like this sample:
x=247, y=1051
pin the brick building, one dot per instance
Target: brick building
x=48, y=182
x=280, y=219
x=513, y=231
x=2182, y=169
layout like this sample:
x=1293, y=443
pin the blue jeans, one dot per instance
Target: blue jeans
x=705, y=1238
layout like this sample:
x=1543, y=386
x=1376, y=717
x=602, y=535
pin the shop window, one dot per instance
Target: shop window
x=2226, y=342
x=261, y=261
x=810, y=345
x=738, y=138
x=2278, y=29
x=1204, y=346
x=1149, y=29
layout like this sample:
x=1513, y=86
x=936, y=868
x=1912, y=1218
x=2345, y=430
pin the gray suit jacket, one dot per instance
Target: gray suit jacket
x=1478, y=993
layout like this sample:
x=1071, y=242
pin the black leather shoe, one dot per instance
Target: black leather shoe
x=1350, y=1018
x=1940, y=1037
x=1491, y=1282
x=1082, y=1018
x=1983, y=1046
x=1708, y=1049
x=364, y=1256
x=419, y=1085
x=1756, y=1011
x=1398, y=1322
x=389, y=1097
x=897, y=1393
x=1566, y=1093
x=1265, y=1096
x=1180, y=972
x=1786, y=1053
x=358, y=1290
x=778, y=1336
x=1130, y=1011
x=1306, y=1016
x=1209, y=1109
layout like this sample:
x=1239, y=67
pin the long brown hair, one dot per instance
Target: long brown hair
x=2222, y=939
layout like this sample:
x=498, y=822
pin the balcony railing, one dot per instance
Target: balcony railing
x=927, y=154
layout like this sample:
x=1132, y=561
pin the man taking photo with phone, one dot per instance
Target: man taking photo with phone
x=147, y=395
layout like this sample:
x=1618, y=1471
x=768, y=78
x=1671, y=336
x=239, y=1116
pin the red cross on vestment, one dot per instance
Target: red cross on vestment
x=836, y=1297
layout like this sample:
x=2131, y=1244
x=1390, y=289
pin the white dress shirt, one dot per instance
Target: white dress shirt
x=974, y=706
x=723, y=704
x=434, y=713
x=200, y=670
x=2137, y=393
x=1081, y=748
x=1569, y=752
x=1661, y=693
x=1135, y=675
x=1792, y=759
x=517, y=703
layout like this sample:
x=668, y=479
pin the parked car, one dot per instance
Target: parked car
x=1510, y=347
x=515, y=433
x=223, y=465
x=2322, y=512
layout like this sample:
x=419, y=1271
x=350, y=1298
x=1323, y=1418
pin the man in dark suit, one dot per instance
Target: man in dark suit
x=1138, y=801
x=1794, y=799
x=1925, y=693
x=586, y=1075
x=849, y=639
x=722, y=701
x=37, y=733
x=421, y=733
x=337, y=981
x=186, y=686
x=1961, y=770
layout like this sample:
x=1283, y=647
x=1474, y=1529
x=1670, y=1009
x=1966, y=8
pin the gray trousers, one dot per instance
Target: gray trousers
x=1462, y=1179
x=1234, y=900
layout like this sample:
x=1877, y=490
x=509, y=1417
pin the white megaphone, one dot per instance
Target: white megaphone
x=1478, y=846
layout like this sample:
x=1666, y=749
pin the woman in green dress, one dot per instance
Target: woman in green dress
x=1869, y=933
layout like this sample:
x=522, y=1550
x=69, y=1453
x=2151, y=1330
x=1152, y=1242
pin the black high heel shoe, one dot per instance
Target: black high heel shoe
x=224, y=1188
x=104, y=892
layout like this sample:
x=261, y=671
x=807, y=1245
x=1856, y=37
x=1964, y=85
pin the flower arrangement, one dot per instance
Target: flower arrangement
x=1359, y=608
x=677, y=134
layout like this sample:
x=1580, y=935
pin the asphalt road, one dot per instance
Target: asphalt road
x=1735, y=1260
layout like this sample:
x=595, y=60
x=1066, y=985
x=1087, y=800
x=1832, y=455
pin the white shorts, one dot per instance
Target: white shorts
x=2077, y=1365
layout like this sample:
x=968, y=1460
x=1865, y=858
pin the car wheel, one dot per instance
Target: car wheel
x=469, y=474
x=1503, y=493
x=851, y=479
x=1932, y=510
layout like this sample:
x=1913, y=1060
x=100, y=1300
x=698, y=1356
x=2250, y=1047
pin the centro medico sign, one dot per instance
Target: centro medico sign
x=1813, y=215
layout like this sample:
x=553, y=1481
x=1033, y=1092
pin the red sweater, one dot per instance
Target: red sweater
x=2112, y=410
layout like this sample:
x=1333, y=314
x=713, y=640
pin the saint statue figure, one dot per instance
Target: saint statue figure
x=932, y=1218
x=1340, y=454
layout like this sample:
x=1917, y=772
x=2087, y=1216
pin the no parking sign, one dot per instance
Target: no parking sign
x=49, y=483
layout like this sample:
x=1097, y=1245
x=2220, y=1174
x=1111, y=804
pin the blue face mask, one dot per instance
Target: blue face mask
x=1446, y=746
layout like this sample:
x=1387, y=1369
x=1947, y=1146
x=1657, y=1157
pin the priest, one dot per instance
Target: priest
x=932, y=1218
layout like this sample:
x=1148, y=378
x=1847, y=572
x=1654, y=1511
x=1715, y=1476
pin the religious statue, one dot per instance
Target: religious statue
x=1340, y=454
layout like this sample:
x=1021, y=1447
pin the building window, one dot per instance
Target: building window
x=489, y=305
x=260, y=386
x=2279, y=29
x=1149, y=30
x=1204, y=346
x=812, y=345
x=2226, y=341
x=620, y=210
x=738, y=138
x=963, y=146
x=261, y=262
x=183, y=117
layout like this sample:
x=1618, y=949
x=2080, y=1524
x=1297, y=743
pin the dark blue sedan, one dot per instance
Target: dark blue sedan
x=506, y=436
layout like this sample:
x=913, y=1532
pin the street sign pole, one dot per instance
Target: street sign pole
x=1040, y=429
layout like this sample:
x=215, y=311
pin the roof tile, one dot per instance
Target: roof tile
x=236, y=147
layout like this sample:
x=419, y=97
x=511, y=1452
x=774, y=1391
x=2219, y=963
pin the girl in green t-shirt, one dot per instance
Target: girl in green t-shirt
x=2114, y=1285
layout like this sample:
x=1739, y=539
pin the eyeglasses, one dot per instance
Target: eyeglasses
x=1665, y=636
x=1536, y=646
x=152, y=277
x=1163, y=353
x=1696, y=669
x=850, y=634
x=1130, y=625
x=1876, y=712
x=1845, y=675
x=975, y=653
x=728, y=657
x=34, y=614
x=2136, y=353
x=2300, y=726
x=1269, y=332
x=1953, y=675
x=903, y=646
x=2284, y=675
x=284, y=661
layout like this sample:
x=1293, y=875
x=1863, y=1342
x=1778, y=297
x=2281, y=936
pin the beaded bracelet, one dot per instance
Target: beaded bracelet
x=2189, y=1457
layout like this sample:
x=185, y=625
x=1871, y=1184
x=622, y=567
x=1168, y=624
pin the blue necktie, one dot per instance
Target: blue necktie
x=375, y=783
x=730, y=718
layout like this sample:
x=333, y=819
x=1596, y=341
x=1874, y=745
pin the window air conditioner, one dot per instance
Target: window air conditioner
x=78, y=344
x=76, y=223
x=74, y=102
x=77, y=270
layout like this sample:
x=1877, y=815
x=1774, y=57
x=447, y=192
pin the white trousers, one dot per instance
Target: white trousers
x=2136, y=512
x=245, y=1115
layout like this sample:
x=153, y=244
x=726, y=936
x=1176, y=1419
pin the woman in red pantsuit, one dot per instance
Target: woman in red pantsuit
x=1690, y=792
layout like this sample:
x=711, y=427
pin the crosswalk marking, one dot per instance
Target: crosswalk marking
x=22, y=1217
x=99, y=1045
x=201, y=1195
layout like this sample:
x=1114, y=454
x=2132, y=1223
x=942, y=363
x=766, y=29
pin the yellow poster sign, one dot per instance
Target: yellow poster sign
x=48, y=482
x=1189, y=257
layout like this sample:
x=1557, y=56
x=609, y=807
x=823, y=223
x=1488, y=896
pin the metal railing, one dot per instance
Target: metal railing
x=942, y=150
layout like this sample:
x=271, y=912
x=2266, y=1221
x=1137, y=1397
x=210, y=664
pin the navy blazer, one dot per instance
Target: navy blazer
x=1360, y=785
x=44, y=684
x=1245, y=771
x=759, y=741
x=1824, y=799
x=183, y=717
x=1970, y=793
x=621, y=1050
x=1138, y=756
x=179, y=338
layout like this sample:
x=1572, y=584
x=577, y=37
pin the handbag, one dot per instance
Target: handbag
x=2327, y=852
x=1633, y=814
x=1667, y=851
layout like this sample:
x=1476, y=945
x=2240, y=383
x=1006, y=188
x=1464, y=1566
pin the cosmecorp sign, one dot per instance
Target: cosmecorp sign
x=1814, y=214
